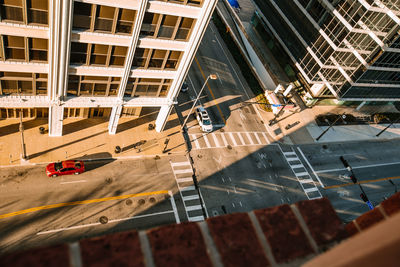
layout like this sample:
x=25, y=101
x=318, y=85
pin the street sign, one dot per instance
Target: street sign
x=276, y=105
x=370, y=206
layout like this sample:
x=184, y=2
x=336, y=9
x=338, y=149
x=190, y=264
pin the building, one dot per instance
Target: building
x=344, y=49
x=96, y=58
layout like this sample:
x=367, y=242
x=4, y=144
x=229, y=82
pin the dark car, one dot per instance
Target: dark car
x=65, y=168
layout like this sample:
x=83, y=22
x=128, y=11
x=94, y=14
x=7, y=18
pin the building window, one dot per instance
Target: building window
x=78, y=53
x=38, y=49
x=102, y=55
x=92, y=85
x=126, y=17
x=156, y=59
x=185, y=2
x=166, y=27
x=102, y=18
x=15, y=48
x=18, y=83
x=36, y=11
x=147, y=87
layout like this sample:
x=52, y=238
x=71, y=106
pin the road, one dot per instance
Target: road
x=240, y=168
x=110, y=196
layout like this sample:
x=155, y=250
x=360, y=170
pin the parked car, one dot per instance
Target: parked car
x=65, y=168
x=184, y=87
x=204, y=120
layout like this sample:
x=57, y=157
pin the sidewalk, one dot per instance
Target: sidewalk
x=88, y=139
x=307, y=130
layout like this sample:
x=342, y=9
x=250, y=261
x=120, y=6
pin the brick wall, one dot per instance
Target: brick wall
x=268, y=237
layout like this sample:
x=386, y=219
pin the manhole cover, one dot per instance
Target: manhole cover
x=222, y=130
x=199, y=156
x=118, y=192
x=152, y=200
x=142, y=201
x=324, y=146
x=128, y=202
x=109, y=180
x=103, y=220
x=229, y=147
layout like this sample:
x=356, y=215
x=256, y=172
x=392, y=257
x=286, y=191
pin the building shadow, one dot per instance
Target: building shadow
x=14, y=127
x=81, y=124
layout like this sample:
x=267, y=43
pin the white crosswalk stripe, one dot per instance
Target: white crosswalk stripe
x=235, y=139
x=302, y=175
x=215, y=140
x=206, y=140
x=191, y=197
x=249, y=137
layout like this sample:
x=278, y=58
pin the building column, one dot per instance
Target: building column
x=162, y=117
x=56, y=115
x=114, y=117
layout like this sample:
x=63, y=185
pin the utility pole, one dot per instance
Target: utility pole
x=343, y=116
x=21, y=130
x=212, y=77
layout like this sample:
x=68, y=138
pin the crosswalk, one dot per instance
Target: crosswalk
x=307, y=183
x=183, y=173
x=234, y=139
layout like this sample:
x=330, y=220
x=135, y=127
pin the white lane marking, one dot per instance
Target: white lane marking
x=215, y=140
x=312, y=189
x=196, y=142
x=290, y=153
x=297, y=166
x=187, y=188
x=258, y=139
x=241, y=138
x=265, y=137
x=235, y=189
x=305, y=181
x=233, y=139
x=72, y=182
x=223, y=179
x=249, y=137
x=360, y=167
x=193, y=197
x=233, y=204
x=302, y=174
x=183, y=163
x=183, y=180
x=230, y=179
x=206, y=140
x=240, y=202
x=171, y=198
x=98, y=223
x=182, y=171
x=309, y=165
x=191, y=208
x=224, y=140
x=292, y=159
x=196, y=219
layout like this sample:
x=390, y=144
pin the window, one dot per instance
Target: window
x=126, y=18
x=173, y=59
x=104, y=18
x=118, y=55
x=137, y=87
x=167, y=26
x=99, y=54
x=93, y=85
x=78, y=53
x=82, y=15
x=149, y=24
x=11, y=10
x=38, y=49
x=184, y=29
x=37, y=11
x=16, y=83
x=14, y=47
x=140, y=57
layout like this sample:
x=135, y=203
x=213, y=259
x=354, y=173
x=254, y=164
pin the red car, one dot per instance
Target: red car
x=65, y=168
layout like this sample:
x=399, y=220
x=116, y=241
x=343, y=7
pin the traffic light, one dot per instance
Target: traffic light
x=345, y=163
x=353, y=178
x=363, y=197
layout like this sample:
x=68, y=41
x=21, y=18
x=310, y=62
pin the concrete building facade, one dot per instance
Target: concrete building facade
x=96, y=58
x=344, y=49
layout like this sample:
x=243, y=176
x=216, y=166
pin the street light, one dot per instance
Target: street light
x=212, y=77
x=21, y=129
x=343, y=116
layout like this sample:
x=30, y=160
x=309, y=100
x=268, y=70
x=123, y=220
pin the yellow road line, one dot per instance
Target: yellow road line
x=362, y=182
x=74, y=203
x=211, y=92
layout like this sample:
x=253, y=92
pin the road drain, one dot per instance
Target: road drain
x=128, y=202
x=229, y=146
x=152, y=200
x=141, y=201
x=109, y=180
x=103, y=220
